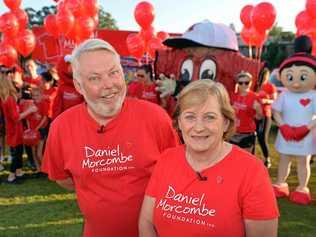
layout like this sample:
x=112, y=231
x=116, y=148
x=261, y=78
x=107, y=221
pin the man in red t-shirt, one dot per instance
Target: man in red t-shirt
x=105, y=149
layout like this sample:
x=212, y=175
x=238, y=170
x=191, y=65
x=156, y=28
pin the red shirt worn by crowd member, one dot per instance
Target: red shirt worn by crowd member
x=35, y=118
x=33, y=82
x=66, y=96
x=245, y=113
x=49, y=95
x=13, y=126
x=110, y=165
x=236, y=188
x=268, y=90
x=144, y=92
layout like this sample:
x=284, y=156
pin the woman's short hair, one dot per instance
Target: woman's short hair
x=197, y=93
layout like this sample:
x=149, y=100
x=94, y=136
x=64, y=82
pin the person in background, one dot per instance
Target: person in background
x=14, y=127
x=267, y=93
x=31, y=77
x=144, y=87
x=208, y=184
x=49, y=91
x=105, y=149
x=66, y=95
x=247, y=110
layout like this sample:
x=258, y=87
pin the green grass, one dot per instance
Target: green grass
x=39, y=208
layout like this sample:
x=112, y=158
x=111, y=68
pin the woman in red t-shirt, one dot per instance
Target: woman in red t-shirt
x=247, y=109
x=14, y=127
x=267, y=93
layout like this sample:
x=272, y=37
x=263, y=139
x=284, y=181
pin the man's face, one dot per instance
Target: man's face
x=101, y=82
x=31, y=66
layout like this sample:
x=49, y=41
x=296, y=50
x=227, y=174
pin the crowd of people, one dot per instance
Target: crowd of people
x=162, y=166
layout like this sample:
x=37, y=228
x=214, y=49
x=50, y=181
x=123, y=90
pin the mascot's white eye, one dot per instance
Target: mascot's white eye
x=304, y=77
x=208, y=70
x=186, y=70
x=289, y=77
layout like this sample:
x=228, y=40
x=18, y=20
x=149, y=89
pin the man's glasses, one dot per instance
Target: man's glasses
x=244, y=83
x=140, y=75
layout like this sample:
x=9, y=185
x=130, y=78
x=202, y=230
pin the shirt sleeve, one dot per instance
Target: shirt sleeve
x=278, y=103
x=257, y=198
x=11, y=108
x=53, y=161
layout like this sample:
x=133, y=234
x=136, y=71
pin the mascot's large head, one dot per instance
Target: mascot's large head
x=205, y=51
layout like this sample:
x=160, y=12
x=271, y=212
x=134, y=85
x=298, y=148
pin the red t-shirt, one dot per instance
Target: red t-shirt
x=267, y=92
x=13, y=126
x=35, y=118
x=236, y=188
x=33, y=82
x=49, y=95
x=110, y=167
x=66, y=97
x=245, y=113
x=144, y=92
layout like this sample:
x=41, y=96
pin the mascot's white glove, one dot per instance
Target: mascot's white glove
x=166, y=86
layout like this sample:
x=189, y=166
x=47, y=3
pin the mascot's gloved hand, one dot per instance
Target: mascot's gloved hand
x=166, y=86
x=287, y=132
x=300, y=132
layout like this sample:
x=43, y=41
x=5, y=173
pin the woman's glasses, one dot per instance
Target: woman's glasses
x=140, y=75
x=243, y=83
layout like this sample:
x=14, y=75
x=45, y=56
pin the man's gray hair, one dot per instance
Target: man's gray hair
x=88, y=46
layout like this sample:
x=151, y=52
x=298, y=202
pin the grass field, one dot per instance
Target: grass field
x=39, y=208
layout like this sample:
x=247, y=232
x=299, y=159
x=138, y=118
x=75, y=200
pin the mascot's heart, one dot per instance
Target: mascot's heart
x=305, y=102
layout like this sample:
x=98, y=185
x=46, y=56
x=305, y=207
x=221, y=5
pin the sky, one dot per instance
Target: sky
x=177, y=15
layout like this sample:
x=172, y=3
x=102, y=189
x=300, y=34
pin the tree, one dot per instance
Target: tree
x=36, y=18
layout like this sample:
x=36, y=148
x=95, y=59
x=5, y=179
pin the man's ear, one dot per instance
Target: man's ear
x=77, y=86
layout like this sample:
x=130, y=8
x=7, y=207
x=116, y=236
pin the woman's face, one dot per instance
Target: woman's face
x=203, y=126
x=244, y=84
x=142, y=76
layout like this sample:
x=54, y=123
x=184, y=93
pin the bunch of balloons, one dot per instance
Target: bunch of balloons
x=75, y=19
x=257, y=21
x=16, y=38
x=145, y=41
x=305, y=22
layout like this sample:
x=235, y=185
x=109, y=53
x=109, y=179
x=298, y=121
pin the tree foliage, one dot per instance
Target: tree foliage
x=278, y=47
x=36, y=18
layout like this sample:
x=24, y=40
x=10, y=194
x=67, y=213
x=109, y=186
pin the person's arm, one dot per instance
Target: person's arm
x=145, y=224
x=42, y=122
x=277, y=116
x=66, y=184
x=258, y=109
x=28, y=111
x=261, y=228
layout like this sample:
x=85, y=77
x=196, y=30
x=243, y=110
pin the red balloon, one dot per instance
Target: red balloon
x=90, y=7
x=263, y=16
x=311, y=7
x=135, y=45
x=12, y=4
x=87, y=26
x=302, y=20
x=162, y=35
x=144, y=14
x=9, y=40
x=245, y=35
x=251, y=36
x=65, y=20
x=9, y=24
x=51, y=26
x=147, y=34
x=153, y=45
x=61, y=6
x=75, y=7
x=8, y=55
x=22, y=17
x=26, y=42
x=245, y=15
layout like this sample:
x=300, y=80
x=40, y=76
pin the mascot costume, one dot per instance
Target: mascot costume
x=205, y=51
x=294, y=112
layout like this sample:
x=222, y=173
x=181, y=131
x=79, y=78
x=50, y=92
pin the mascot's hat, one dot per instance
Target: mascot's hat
x=206, y=34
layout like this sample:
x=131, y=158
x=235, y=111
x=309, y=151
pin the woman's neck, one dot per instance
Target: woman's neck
x=202, y=160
